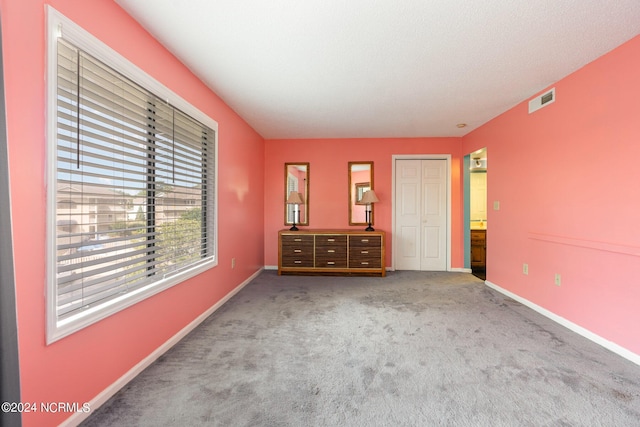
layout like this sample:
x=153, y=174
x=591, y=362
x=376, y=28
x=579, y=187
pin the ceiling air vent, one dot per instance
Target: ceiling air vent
x=542, y=100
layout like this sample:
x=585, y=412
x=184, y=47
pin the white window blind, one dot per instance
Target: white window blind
x=134, y=190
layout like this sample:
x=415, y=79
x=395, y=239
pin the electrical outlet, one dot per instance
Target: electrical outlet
x=525, y=268
x=557, y=279
x=496, y=205
x=233, y=263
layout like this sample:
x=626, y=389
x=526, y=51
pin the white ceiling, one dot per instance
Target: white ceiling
x=382, y=68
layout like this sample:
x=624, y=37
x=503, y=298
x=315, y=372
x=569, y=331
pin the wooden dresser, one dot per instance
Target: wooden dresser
x=343, y=252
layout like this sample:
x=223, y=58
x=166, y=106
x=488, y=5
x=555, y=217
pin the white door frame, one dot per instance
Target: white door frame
x=395, y=157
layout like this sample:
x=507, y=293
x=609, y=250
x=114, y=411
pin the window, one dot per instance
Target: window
x=131, y=183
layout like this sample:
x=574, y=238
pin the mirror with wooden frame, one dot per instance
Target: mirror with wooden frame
x=360, y=181
x=296, y=180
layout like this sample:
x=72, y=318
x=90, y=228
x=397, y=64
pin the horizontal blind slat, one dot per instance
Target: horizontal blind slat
x=134, y=181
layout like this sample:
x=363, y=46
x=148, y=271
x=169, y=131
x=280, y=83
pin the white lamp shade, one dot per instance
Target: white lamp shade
x=369, y=197
x=294, y=198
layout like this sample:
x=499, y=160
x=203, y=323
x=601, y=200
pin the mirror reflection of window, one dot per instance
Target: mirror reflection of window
x=296, y=180
x=360, y=181
x=292, y=186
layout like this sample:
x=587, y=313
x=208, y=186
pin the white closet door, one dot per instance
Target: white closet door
x=421, y=215
x=407, y=214
x=434, y=215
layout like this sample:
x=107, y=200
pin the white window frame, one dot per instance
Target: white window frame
x=60, y=26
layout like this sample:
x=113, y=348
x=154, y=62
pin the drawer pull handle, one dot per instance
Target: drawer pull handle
x=297, y=250
x=331, y=251
x=365, y=240
x=297, y=262
x=364, y=263
x=330, y=262
x=297, y=240
x=331, y=240
x=364, y=252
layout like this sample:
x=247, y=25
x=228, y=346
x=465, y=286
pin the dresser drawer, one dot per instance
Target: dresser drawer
x=364, y=253
x=296, y=248
x=296, y=240
x=331, y=240
x=331, y=262
x=297, y=261
x=365, y=241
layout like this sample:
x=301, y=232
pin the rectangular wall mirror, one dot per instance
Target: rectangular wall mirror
x=296, y=181
x=360, y=181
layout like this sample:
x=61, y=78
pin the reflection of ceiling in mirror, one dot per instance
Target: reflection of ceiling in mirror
x=357, y=167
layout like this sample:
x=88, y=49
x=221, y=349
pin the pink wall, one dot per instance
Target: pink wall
x=329, y=183
x=78, y=367
x=567, y=179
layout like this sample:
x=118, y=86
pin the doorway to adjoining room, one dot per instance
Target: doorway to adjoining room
x=477, y=212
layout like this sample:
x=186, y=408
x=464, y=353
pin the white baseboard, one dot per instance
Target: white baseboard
x=609, y=345
x=461, y=270
x=107, y=393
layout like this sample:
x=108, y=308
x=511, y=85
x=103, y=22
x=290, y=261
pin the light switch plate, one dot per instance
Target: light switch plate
x=496, y=205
